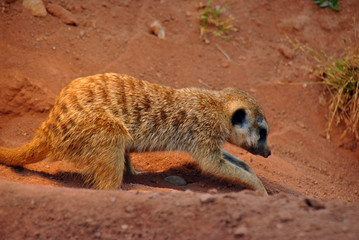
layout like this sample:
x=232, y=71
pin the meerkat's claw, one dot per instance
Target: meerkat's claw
x=236, y=161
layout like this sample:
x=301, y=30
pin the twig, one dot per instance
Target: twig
x=223, y=52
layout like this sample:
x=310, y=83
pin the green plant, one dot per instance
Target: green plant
x=210, y=22
x=340, y=76
x=333, y=4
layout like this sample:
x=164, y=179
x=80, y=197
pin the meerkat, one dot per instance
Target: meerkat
x=98, y=120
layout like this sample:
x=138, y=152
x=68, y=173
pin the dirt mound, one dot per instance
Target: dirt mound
x=41, y=55
x=46, y=212
x=21, y=96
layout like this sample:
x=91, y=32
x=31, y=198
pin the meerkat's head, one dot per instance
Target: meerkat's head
x=249, y=128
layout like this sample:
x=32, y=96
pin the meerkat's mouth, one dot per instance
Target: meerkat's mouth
x=259, y=150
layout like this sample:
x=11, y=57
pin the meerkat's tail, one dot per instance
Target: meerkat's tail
x=32, y=152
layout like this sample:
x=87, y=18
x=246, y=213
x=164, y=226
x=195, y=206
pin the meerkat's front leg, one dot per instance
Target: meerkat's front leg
x=227, y=166
x=236, y=161
x=129, y=170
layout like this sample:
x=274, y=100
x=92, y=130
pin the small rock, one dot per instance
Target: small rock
x=236, y=216
x=301, y=125
x=66, y=16
x=188, y=191
x=32, y=204
x=89, y=221
x=213, y=191
x=240, y=231
x=157, y=29
x=206, y=198
x=124, y=226
x=129, y=209
x=225, y=64
x=252, y=90
x=176, y=180
x=345, y=228
x=286, y=52
x=82, y=33
x=285, y=217
x=36, y=7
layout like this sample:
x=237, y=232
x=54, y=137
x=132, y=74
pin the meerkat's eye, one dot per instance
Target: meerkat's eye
x=262, y=134
x=238, y=117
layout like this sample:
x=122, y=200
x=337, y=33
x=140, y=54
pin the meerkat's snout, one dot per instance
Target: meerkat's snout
x=250, y=131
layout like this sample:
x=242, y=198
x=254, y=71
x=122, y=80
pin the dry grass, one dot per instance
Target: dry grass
x=211, y=22
x=340, y=77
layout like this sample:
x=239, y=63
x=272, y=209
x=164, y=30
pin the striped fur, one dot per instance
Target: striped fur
x=96, y=121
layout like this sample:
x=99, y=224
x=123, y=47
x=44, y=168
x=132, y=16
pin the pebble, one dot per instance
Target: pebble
x=188, y=191
x=240, y=231
x=206, y=198
x=32, y=204
x=176, y=180
x=236, y=216
x=124, y=226
x=225, y=64
x=301, y=125
x=82, y=33
x=129, y=209
x=66, y=16
x=157, y=29
x=36, y=7
x=213, y=191
x=286, y=52
x=285, y=217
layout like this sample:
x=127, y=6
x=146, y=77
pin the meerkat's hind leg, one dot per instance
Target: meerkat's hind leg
x=106, y=172
x=102, y=153
x=236, y=161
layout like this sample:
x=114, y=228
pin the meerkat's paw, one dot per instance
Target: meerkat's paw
x=132, y=171
x=257, y=184
x=230, y=167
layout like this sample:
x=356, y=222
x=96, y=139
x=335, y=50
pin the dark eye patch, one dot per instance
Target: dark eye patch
x=239, y=117
x=262, y=134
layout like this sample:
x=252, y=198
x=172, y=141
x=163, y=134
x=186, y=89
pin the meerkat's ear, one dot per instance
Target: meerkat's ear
x=238, y=117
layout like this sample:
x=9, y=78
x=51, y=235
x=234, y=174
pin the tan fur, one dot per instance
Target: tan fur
x=96, y=121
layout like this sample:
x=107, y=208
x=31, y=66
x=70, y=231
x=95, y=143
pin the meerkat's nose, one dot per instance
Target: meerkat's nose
x=267, y=154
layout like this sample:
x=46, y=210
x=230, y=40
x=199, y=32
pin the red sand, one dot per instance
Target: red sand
x=39, y=56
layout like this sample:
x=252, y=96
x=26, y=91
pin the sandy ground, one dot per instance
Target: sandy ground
x=313, y=183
